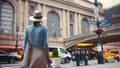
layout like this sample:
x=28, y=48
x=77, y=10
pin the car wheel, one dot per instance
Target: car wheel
x=63, y=61
x=66, y=60
x=12, y=61
x=118, y=59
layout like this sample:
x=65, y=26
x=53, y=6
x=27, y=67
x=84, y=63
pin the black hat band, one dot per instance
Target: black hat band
x=38, y=17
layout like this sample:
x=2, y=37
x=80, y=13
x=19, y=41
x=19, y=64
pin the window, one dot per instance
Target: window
x=51, y=49
x=85, y=26
x=6, y=17
x=71, y=24
x=72, y=18
x=2, y=54
x=31, y=11
x=63, y=51
x=32, y=7
x=53, y=24
x=71, y=30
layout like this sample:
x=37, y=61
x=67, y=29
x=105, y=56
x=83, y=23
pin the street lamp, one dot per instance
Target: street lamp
x=17, y=30
x=98, y=32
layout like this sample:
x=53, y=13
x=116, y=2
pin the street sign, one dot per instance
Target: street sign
x=92, y=22
x=104, y=23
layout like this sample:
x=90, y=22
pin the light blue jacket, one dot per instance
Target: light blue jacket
x=36, y=35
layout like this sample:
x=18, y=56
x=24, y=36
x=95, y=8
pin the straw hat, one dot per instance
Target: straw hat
x=37, y=16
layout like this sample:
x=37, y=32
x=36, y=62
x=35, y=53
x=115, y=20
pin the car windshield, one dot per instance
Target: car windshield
x=63, y=51
x=13, y=54
x=2, y=53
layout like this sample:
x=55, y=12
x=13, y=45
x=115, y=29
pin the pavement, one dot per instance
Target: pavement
x=91, y=64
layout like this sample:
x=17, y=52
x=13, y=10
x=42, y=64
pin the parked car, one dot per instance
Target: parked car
x=5, y=57
x=62, y=52
x=113, y=54
x=15, y=54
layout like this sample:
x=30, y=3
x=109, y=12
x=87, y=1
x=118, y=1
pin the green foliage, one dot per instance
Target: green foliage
x=55, y=53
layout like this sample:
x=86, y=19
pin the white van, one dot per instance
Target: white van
x=66, y=56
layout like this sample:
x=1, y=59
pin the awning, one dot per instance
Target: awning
x=84, y=44
x=10, y=47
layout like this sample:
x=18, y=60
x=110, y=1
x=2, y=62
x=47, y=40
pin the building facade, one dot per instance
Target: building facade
x=65, y=18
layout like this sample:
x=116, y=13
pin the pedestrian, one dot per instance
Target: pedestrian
x=35, y=45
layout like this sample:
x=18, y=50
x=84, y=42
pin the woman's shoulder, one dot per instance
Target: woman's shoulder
x=44, y=27
x=28, y=26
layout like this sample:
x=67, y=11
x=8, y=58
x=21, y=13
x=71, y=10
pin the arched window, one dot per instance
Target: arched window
x=53, y=24
x=85, y=26
x=6, y=17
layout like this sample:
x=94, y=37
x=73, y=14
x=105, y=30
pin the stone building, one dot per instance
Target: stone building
x=65, y=18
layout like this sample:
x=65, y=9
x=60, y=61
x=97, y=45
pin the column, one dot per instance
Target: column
x=64, y=23
x=44, y=14
x=80, y=19
x=76, y=25
x=68, y=24
x=26, y=14
x=20, y=16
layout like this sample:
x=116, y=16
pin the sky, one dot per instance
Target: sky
x=108, y=3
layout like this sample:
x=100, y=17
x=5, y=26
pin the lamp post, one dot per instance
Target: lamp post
x=98, y=32
x=17, y=30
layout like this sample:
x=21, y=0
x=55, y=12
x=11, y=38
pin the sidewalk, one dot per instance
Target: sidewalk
x=73, y=64
x=92, y=64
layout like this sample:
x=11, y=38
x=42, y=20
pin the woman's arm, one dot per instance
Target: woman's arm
x=45, y=44
x=25, y=40
x=47, y=55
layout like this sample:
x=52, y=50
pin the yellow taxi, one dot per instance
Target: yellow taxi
x=109, y=53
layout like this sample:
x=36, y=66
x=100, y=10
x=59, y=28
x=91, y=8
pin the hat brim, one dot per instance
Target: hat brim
x=34, y=19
